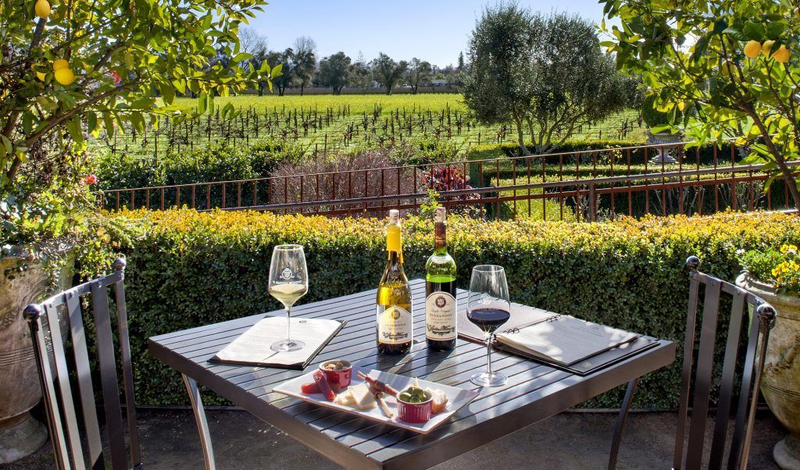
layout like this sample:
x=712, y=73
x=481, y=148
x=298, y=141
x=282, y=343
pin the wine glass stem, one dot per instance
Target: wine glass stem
x=489, y=354
x=288, y=323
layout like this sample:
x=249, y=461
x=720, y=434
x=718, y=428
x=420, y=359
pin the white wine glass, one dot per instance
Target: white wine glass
x=488, y=307
x=288, y=281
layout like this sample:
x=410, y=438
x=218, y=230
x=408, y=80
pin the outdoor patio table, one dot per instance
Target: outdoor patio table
x=534, y=391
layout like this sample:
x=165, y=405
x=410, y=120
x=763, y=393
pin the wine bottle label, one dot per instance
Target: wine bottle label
x=394, y=325
x=440, y=316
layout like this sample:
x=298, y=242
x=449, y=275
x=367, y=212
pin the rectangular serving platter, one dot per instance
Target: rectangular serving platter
x=456, y=399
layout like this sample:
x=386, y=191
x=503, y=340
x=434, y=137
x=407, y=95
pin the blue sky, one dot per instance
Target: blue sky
x=432, y=30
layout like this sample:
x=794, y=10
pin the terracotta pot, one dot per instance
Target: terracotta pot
x=781, y=380
x=20, y=434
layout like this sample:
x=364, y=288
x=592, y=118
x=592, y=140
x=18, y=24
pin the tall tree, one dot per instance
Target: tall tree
x=388, y=72
x=732, y=60
x=360, y=75
x=573, y=83
x=544, y=73
x=255, y=44
x=498, y=85
x=305, y=61
x=418, y=71
x=334, y=71
x=250, y=41
x=286, y=59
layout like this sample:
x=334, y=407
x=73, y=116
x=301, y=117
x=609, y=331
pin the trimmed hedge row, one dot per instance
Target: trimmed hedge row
x=187, y=269
x=591, y=163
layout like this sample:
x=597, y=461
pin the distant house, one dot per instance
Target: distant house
x=439, y=82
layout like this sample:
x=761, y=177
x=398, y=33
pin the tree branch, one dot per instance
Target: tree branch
x=57, y=118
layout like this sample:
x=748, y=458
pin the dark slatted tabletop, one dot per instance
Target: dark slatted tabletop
x=533, y=392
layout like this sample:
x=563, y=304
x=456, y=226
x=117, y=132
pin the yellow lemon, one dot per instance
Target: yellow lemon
x=752, y=48
x=65, y=76
x=782, y=54
x=60, y=64
x=766, y=48
x=728, y=70
x=41, y=75
x=42, y=8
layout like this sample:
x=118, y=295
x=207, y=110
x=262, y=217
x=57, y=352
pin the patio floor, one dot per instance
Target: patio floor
x=573, y=440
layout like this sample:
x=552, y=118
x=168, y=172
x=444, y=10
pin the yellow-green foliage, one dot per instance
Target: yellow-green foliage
x=358, y=104
x=187, y=269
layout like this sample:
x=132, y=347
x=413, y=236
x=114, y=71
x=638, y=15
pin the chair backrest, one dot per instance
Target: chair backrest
x=60, y=402
x=758, y=327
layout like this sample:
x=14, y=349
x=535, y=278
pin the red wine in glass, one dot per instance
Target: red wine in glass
x=488, y=307
x=488, y=319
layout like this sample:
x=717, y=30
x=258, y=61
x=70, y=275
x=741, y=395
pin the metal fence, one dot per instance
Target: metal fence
x=584, y=185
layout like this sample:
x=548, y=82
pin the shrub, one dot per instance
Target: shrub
x=187, y=269
x=339, y=178
x=213, y=163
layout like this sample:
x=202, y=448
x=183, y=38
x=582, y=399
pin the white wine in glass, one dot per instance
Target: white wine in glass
x=288, y=281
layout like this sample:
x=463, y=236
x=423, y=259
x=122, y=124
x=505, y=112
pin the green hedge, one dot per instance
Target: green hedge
x=590, y=166
x=213, y=163
x=187, y=269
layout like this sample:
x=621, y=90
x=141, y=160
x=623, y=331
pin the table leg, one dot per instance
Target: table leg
x=621, y=419
x=200, y=419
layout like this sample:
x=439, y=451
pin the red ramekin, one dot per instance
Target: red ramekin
x=338, y=379
x=415, y=412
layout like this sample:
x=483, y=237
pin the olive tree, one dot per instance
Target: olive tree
x=87, y=65
x=573, y=83
x=731, y=60
x=546, y=74
x=497, y=85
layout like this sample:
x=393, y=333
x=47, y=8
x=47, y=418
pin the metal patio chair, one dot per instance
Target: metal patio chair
x=60, y=402
x=758, y=327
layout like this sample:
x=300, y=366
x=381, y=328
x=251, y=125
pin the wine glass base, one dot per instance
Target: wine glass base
x=484, y=379
x=287, y=345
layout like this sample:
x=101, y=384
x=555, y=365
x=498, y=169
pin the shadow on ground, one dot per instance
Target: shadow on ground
x=567, y=441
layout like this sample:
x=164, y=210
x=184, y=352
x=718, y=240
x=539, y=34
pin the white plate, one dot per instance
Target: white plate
x=456, y=398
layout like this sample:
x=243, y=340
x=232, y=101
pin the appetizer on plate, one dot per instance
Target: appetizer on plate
x=414, y=405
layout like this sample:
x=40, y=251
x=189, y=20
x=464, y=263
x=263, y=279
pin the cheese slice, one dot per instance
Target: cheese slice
x=362, y=398
x=345, y=398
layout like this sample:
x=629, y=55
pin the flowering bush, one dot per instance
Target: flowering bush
x=778, y=267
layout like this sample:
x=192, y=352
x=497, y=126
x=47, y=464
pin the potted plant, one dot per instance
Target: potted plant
x=774, y=275
x=42, y=216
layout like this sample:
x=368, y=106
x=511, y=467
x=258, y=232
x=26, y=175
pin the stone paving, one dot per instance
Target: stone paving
x=572, y=440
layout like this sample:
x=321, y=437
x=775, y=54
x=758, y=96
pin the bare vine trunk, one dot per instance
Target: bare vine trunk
x=521, y=136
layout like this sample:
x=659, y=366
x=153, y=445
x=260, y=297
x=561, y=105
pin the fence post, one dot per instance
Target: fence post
x=593, y=202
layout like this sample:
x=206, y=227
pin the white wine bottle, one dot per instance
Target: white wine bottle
x=440, y=291
x=395, y=321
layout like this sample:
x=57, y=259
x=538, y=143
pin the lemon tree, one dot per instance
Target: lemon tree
x=84, y=66
x=734, y=61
